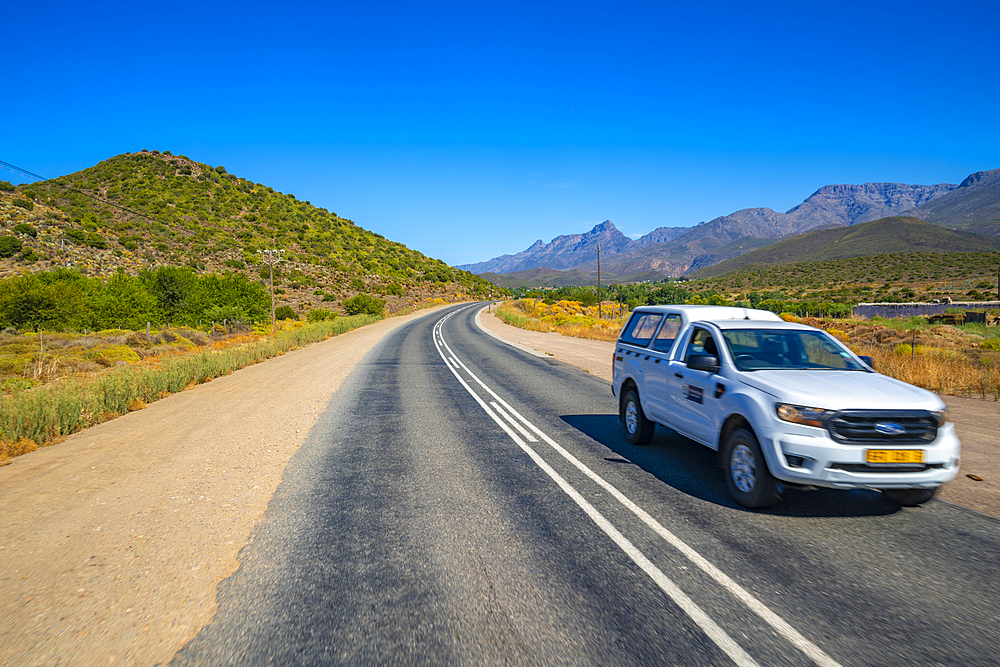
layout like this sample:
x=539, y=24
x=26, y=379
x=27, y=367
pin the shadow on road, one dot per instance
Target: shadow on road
x=693, y=469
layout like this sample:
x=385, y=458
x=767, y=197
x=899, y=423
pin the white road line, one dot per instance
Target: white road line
x=782, y=627
x=514, y=423
x=703, y=620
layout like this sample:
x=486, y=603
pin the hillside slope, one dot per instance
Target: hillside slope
x=884, y=236
x=974, y=205
x=146, y=209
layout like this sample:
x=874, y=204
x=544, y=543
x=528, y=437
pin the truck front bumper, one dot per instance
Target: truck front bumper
x=818, y=460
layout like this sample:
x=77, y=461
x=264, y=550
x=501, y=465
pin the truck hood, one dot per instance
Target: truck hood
x=841, y=390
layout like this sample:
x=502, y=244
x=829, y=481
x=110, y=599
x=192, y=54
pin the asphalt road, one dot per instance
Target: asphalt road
x=464, y=502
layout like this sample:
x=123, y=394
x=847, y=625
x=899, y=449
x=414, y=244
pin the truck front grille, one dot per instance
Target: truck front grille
x=884, y=428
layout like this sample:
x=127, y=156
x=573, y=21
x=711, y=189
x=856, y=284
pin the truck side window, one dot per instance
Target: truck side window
x=701, y=342
x=641, y=328
x=668, y=333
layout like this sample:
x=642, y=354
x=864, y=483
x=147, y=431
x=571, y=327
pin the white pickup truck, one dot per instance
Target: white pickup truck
x=783, y=404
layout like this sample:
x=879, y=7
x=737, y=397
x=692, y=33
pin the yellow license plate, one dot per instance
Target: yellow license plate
x=894, y=456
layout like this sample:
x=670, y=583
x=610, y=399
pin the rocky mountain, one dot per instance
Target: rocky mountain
x=562, y=253
x=661, y=235
x=853, y=204
x=974, y=205
x=673, y=251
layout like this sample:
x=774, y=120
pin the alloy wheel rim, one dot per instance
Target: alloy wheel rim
x=631, y=417
x=743, y=468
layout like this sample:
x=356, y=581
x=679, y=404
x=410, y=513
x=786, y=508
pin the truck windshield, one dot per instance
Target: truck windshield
x=769, y=349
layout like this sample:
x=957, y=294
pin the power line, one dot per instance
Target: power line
x=25, y=172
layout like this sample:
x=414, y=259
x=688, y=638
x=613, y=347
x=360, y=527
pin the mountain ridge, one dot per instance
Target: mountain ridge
x=685, y=250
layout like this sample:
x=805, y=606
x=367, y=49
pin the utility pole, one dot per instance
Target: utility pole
x=271, y=257
x=599, y=282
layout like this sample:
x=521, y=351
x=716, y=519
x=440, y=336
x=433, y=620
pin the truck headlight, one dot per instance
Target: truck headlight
x=941, y=416
x=798, y=414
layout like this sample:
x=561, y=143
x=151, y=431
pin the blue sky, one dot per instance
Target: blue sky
x=470, y=129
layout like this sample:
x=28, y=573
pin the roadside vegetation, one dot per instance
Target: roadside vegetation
x=960, y=360
x=85, y=379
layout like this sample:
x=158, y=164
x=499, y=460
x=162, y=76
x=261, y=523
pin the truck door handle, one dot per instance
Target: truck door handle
x=678, y=375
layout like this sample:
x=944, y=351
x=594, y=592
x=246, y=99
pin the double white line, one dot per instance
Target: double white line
x=522, y=432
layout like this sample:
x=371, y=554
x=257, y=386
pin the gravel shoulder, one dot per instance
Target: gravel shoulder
x=112, y=542
x=977, y=421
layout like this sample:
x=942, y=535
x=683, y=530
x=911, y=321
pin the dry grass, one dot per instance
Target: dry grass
x=942, y=358
x=569, y=318
x=37, y=416
x=9, y=450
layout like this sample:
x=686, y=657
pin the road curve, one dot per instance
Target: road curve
x=462, y=501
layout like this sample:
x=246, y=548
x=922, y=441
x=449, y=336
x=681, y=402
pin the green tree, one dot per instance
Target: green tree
x=172, y=287
x=123, y=301
x=50, y=300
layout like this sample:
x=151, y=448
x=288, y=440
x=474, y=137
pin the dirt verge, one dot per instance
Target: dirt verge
x=112, y=542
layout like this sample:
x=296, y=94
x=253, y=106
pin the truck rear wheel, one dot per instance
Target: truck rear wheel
x=749, y=481
x=638, y=429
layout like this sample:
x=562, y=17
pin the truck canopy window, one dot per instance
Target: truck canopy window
x=668, y=333
x=641, y=328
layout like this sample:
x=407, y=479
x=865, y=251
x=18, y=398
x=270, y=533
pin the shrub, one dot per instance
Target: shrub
x=364, y=304
x=26, y=229
x=320, y=315
x=6, y=186
x=394, y=288
x=9, y=246
x=95, y=240
x=285, y=313
x=75, y=235
x=26, y=204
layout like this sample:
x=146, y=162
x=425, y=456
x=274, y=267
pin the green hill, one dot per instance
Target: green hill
x=883, y=236
x=147, y=209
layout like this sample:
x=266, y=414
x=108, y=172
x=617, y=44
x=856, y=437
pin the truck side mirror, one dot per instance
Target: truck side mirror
x=703, y=362
x=868, y=360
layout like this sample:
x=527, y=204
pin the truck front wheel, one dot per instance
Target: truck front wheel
x=909, y=497
x=638, y=429
x=750, y=482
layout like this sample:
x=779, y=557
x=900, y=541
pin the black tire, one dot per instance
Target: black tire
x=638, y=429
x=750, y=482
x=909, y=497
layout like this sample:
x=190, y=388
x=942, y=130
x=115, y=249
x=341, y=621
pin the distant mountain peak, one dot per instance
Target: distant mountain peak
x=981, y=177
x=606, y=226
